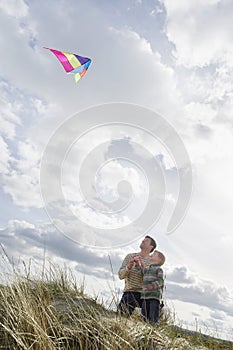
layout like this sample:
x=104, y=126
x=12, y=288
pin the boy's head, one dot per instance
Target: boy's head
x=157, y=258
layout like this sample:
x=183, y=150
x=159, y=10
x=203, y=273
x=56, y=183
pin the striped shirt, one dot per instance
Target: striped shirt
x=153, y=276
x=133, y=277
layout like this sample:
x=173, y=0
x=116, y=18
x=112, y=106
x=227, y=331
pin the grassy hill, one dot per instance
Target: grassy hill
x=54, y=313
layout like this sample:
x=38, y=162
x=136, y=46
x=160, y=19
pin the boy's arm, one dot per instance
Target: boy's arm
x=158, y=281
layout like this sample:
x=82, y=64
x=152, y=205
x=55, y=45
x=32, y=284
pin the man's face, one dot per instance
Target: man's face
x=146, y=243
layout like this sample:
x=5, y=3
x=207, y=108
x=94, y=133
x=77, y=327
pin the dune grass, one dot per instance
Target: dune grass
x=53, y=312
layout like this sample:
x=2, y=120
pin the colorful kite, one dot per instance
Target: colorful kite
x=72, y=63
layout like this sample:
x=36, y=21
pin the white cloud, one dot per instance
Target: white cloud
x=180, y=274
x=183, y=285
x=208, y=142
x=211, y=86
x=201, y=31
x=5, y=157
x=9, y=119
x=110, y=172
x=131, y=69
x=143, y=71
x=15, y=8
x=199, y=318
x=22, y=178
x=155, y=11
x=213, y=197
x=200, y=113
x=25, y=240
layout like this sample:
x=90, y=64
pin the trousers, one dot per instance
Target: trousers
x=150, y=310
x=129, y=301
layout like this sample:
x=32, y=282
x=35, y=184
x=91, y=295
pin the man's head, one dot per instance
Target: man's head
x=148, y=243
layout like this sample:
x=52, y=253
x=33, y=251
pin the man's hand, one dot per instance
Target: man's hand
x=130, y=264
x=138, y=261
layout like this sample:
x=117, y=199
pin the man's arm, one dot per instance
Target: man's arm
x=126, y=266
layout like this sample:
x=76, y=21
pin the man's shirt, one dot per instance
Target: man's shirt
x=133, y=277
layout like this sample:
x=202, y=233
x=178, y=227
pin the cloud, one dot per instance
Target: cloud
x=8, y=118
x=183, y=286
x=181, y=275
x=24, y=240
x=14, y=8
x=20, y=155
x=9, y=121
x=110, y=77
x=5, y=157
x=202, y=35
x=219, y=315
x=201, y=31
x=23, y=176
x=147, y=70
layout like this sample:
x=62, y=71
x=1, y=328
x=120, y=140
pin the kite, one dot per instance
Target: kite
x=72, y=63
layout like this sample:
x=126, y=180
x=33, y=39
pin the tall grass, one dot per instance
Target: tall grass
x=52, y=312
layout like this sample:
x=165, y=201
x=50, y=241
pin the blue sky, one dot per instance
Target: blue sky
x=172, y=57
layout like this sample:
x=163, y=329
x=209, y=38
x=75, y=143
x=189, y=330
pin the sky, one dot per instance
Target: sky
x=164, y=58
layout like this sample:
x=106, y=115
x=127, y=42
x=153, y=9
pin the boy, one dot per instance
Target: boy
x=153, y=283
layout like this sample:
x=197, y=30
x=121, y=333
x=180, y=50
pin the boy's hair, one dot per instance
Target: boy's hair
x=161, y=257
x=152, y=242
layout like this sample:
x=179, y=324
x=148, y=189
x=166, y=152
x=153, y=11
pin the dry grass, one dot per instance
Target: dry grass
x=54, y=313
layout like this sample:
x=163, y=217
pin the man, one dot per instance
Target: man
x=130, y=271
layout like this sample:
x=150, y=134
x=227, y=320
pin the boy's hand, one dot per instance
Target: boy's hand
x=142, y=264
x=149, y=287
